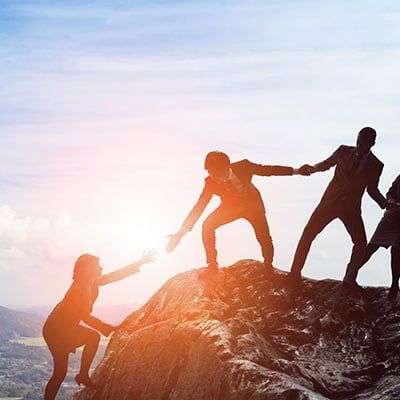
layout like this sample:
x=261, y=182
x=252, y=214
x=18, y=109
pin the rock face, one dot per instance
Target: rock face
x=248, y=338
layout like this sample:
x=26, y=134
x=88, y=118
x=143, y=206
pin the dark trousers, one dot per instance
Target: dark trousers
x=320, y=218
x=395, y=262
x=225, y=214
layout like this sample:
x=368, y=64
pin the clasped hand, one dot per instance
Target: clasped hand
x=306, y=170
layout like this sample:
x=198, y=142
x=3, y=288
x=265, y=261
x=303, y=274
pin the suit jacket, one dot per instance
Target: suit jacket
x=350, y=189
x=249, y=196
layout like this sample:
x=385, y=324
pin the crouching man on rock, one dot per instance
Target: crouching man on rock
x=239, y=199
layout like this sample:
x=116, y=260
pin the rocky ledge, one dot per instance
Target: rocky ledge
x=248, y=338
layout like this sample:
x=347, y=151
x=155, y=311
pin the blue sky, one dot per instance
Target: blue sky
x=108, y=108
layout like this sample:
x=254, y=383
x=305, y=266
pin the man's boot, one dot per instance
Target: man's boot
x=269, y=271
x=293, y=279
x=392, y=295
x=210, y=272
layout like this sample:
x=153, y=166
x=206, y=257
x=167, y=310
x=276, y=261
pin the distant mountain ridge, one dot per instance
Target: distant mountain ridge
x=28, y=321
x=15, y=324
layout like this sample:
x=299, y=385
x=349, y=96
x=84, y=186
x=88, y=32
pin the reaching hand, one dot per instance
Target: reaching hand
x=306, y=170
x=148, y=256
x=174, y=240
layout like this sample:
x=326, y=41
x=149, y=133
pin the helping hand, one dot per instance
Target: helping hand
x=306, y=170
x=174, y=240
x=148, y=256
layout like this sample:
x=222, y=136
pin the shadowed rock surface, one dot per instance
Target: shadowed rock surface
x=247, y=338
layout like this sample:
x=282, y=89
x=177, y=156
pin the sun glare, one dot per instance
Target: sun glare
x=136, y=233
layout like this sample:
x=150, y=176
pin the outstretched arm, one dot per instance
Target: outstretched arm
x=330, y=162
x=197, y=210
x=269, y=170
x=191, y=219
x=77, y=298
x=129, y=270
x=374, y=191
x=275, y=170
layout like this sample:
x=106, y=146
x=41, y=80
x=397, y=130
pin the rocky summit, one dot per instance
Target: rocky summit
x=247, y=337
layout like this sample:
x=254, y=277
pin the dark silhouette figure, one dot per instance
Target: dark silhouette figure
x=387, y=234
x=239, y=199
x=356, y=169
x=62, y=330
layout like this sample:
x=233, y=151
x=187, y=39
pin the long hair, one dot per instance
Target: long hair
x=82, y=263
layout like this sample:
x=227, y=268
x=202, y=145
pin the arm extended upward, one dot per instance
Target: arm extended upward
x=129, y=270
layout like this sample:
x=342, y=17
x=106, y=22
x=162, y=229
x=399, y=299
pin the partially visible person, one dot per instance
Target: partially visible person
x=356, y=169
x=63, y=331
x=387, y=234
x=239, y=199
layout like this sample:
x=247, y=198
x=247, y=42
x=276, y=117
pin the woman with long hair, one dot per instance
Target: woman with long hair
x=63, y=331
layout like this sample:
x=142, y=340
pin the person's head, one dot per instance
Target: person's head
x=87, y=268
x=365, y=140
x=218, y=165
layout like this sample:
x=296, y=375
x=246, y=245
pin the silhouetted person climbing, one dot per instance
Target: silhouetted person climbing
x=387, y=234
x=356, y=169
x=62, y=330
x=239, y=199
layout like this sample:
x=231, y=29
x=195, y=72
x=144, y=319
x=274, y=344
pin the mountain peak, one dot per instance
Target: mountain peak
x=248, y=338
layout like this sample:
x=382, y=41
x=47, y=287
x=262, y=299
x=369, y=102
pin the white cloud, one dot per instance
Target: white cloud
x=38, y=242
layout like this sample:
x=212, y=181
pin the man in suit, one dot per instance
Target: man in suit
x=356, y=169
x=239, y=199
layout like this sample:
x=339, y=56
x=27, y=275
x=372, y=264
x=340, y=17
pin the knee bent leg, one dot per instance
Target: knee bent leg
x=309, y=233
x=208, y=227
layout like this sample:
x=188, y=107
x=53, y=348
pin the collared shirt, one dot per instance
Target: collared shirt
x=234, y=182
x=362, y=159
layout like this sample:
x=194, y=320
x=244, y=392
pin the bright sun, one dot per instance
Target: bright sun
x=138, y=232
